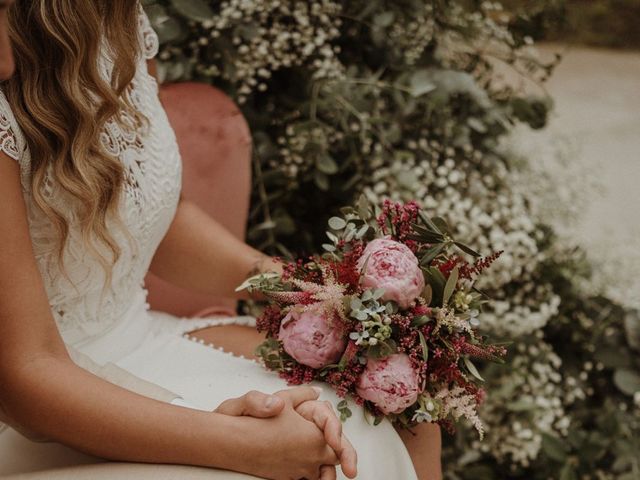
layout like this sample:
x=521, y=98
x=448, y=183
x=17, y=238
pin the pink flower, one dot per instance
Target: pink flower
x=391, y=383
x=311, y=338
x=392, y=266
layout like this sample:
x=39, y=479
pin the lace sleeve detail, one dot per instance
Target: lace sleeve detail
x=148, y=37
x=9, y=140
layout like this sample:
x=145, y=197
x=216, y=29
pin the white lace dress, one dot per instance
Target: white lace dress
x=117, y=328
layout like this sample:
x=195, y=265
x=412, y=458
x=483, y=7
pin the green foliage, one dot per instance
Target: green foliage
x=400, y=99
x=603, y=23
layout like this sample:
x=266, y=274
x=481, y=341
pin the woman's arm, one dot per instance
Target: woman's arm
x=198, y=253
x=43, y=391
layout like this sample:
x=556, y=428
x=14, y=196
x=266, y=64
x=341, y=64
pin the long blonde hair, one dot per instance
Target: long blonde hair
x=62, y=101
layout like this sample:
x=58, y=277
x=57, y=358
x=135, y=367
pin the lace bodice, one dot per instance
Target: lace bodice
x=81, y=308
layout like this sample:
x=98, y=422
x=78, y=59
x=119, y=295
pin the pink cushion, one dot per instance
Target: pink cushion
x=215, y=144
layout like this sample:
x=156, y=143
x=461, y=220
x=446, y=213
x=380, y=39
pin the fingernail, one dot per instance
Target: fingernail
x=318, y=390
x=271, y=401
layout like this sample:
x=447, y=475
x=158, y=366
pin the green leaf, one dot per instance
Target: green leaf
x=521, y=405
x=632, y=328
x=197, y=10
x=321, y=180
x=472, y=368
x=427, y=294
x=362, y=232
x=568, y=472
x=384, y=19
x=627, y=381
x=431, y=254
x=364, y=208
x=332, y=237
x=450, y=286
x=420, y=83
x=467, y=249
x=420, y=321
x=428, y=222
x=425, y=347
x=345, y=411
x=610, y=357
x=327, y=165
x=328, y=247
x=436, y=279
x=554, y=447
x=477, y=125
x=337, y=223
x=442, y=225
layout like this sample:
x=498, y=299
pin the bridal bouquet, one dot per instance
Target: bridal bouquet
x=386, y=316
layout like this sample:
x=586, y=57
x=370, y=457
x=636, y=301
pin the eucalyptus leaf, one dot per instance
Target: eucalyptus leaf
x=627, y=381
x=364, y=208
x=384, y=19
x=332, y=237
x=328, y=247
x=362, y=231
x=337, y=223
x=327, y=165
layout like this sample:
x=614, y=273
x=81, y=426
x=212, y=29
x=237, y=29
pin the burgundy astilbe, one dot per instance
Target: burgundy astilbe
x=344, y=381
x=446, y=267
x=269, y=321
x=346, y=271
x=396, y=220
x=298, y=374
x=487, y=352
x=290, y=298
x=468, y=271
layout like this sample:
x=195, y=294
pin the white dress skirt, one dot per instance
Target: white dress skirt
x=153, y=347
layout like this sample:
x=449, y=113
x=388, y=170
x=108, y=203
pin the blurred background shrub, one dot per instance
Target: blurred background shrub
x=406, y=99
x=600, y=23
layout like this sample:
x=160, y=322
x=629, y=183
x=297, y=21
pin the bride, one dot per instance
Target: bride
x=90, y=179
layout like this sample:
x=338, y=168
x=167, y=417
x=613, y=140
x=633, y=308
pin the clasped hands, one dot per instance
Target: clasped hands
x=313, y=443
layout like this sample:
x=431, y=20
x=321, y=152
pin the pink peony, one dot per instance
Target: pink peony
x=391, y=383
x=392, y=266
x=311, y=338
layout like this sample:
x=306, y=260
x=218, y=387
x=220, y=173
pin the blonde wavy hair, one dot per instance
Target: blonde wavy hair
x=62, y=100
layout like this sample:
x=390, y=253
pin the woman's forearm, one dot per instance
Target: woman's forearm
x=199, y=254
x=58, y=400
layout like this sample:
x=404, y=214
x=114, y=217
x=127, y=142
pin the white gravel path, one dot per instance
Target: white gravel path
x=597, y=114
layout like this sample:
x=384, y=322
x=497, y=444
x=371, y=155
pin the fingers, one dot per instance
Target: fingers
x=348, y=459
x=323, y=415
x=329, y=457
x=299, y=395
x=253, y=404
x=328, y=472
